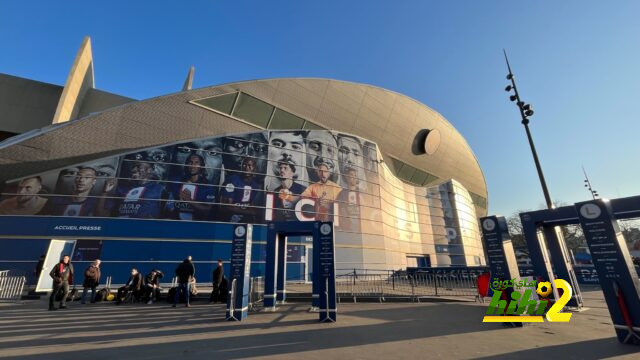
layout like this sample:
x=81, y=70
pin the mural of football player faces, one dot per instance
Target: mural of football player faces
x=370, y=156
x=105, y=173
x=142, y=172
x=285, y=147
x=237, y=147
x=321, y=149
x=66, y=179
x=350, y=158
x=211, y=151
x=158, y=158
x=84, y=181
x=27, y=200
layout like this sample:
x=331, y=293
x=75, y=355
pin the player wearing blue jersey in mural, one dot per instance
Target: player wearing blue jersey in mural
x=193, y=192
x=241, y=194
x=140, y=198
x=79, y=202
x=288, y=193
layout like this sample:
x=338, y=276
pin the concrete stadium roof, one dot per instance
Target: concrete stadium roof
x=387, y=118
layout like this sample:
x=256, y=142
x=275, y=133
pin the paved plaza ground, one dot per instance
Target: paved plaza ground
x=434, y=330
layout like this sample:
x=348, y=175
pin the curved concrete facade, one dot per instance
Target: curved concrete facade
x=387, y=118
x=415, y=210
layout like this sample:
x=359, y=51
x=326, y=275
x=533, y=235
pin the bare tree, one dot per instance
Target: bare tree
x=515, y=229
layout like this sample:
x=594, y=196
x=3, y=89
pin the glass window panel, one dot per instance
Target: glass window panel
x=285, y=121
x=311, y=126
x=396, y=165
x=406, y=172
x=253, y=110
x=222, y=103
x=419, y=177
x=430, y=179
x=478, y=200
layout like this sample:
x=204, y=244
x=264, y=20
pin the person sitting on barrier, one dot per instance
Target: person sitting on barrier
x=218, y=278
x=133, y=285
x=184, y=273
x=62, y=275
x=91, y=281
x=152, y=285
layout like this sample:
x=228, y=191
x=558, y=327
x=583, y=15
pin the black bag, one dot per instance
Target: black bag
x=101, y=295
x=71, y=296
x=171, y=295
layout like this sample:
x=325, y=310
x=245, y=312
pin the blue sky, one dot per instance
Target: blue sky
x=575, y=61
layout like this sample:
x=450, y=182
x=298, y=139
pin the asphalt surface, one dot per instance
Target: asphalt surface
x=447, y=330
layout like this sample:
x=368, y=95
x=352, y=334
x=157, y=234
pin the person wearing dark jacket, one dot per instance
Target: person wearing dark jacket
x=152, y=285
x=184, y=273
x=62, y=275
x=133, y=284
x=91, y=281
x=218, y=278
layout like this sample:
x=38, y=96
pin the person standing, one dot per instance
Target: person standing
x=62, y=275
x=184, y=272
x=218, y=278
x=91, y=281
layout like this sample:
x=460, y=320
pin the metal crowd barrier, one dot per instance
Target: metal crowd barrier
x=413, y=285
x=256, y=292
x=11, y=287
x=360, y=286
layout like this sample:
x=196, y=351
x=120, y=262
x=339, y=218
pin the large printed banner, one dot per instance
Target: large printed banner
x=248, y=178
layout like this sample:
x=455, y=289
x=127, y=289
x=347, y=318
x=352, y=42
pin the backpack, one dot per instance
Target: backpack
x=90, y=272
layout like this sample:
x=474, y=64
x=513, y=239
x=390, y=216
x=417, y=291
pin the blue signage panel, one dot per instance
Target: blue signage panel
x=501, y=257
x=327, y=276
x=616, y=272
x=110, y=228
x=238, y=300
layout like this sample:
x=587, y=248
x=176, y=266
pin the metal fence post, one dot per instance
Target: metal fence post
x=435, y=283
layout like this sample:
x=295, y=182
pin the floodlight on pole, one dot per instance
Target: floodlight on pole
x=526, y=110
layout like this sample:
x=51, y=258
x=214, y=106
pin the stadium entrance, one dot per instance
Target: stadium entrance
x=323, y=264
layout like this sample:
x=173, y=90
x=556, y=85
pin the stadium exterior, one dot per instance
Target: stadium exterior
x=145, y=183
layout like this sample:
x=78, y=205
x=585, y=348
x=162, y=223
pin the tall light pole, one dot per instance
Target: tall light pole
x=525, y=112
x=587, y=184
